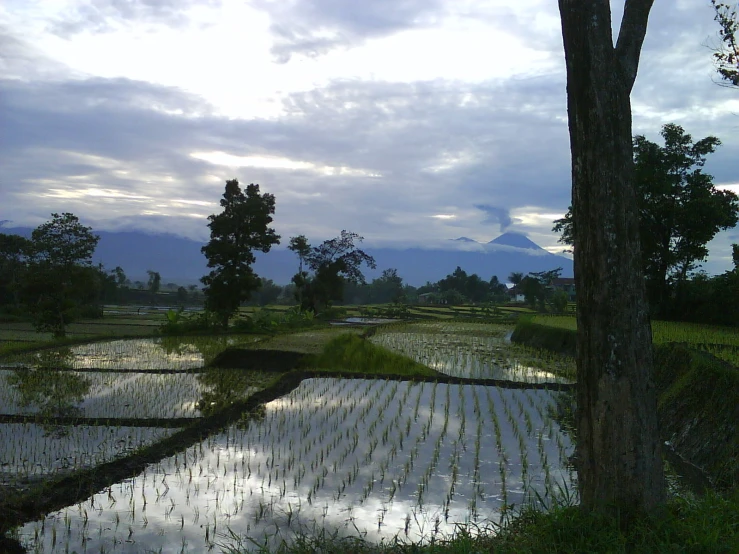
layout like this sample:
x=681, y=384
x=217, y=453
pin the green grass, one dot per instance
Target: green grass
x=349, y=353
x=720, y=341
x=706, y=525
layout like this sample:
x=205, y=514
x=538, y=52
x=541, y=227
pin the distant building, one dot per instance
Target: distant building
x=567, y=285
x=515, y=294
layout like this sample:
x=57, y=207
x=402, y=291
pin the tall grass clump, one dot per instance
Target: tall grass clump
x=350, y=353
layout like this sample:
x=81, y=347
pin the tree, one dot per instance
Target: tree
x=537, y=287
x=619, y=459
x=154, y=282
x=60, y=279
x=515, y=278
x=388, y=287
x=726, y=57
x=14, y=253
x=302, y=248
x=680, y=211
x=241, y=228
x=333, y=263
x=181, y=295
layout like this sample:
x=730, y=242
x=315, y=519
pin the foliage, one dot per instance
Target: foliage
x=353, y=354
x=726, y=57
x=60, y=280
x=154, y=282
x=269, y=321
x=14, y=253
x=393, y=311
x=559, y=301
x=178, y=322
x=537, y=287
x=680, y=211
x=241, y=228
x=267, y=293
x=334, y=263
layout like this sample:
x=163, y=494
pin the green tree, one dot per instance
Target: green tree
x=120, y=277
x=726, y=57
x=302, y=248
x=388, y=288
x=154, y=283
x=334, y=262
x=537, y=287
x=61, y=280
x=515, y=278
x=680, y=211
x=181, y=295
x=241, y=228
x=14, y=253
x=619, y=459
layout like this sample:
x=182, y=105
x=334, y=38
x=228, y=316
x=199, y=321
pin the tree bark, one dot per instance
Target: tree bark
x=619, y=460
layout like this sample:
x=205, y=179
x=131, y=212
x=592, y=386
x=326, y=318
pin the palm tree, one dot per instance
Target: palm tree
x=515, y=278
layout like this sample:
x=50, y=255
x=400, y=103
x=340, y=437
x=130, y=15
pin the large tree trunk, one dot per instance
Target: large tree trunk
x=619, y=459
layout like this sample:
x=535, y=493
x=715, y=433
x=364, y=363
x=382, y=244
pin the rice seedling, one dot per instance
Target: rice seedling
x=276, y=477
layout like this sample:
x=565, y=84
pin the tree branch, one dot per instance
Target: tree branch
x=631, y=37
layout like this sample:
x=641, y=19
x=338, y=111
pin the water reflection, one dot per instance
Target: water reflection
x=380, y=459
x=222, y=387
x=48, y=389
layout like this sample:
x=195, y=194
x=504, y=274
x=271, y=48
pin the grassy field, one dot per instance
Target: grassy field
x=722, y=342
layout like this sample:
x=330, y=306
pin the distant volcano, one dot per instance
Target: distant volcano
x=516, y=240
x=465, y=239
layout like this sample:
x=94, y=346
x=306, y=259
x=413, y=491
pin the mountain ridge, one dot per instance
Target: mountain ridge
x=180, y=260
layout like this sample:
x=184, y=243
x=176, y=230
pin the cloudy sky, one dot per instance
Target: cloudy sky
x=408, y=121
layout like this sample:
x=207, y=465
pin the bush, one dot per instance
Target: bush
x=180, y=323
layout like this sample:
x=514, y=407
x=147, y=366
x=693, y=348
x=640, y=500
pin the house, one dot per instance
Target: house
x=567, y=285
x=515, y=294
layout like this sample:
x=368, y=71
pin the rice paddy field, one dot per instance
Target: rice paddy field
x=381, y=459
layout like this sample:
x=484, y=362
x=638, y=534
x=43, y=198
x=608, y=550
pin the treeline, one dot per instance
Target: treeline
x=680, y=211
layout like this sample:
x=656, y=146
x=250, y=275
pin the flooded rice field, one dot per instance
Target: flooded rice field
x=380, y=459
x=101, y=394
x=475, y=351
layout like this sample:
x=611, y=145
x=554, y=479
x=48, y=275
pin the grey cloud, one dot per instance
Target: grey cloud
x=394, y=130
x=314, y=27
x=438, y=146
x=495, y=215
x=98, y=16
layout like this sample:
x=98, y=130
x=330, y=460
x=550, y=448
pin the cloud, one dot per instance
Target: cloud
x=314, y=27
x=101, y=16
x=497, y=216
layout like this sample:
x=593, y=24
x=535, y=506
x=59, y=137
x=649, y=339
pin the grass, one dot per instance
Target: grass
x=663, y=331
x=706, y=525
x=349, y=353
x=720, y=341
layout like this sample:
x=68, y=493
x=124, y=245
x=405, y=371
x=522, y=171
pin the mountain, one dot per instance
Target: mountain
x=464, y=239
x=517, y=240
x=179, y=260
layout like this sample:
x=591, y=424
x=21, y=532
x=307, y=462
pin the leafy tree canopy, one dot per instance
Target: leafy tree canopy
x=334, y=262
x=241, y=228
x=680, y=210
x=63, y=241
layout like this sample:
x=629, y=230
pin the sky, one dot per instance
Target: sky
x=410, y=122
